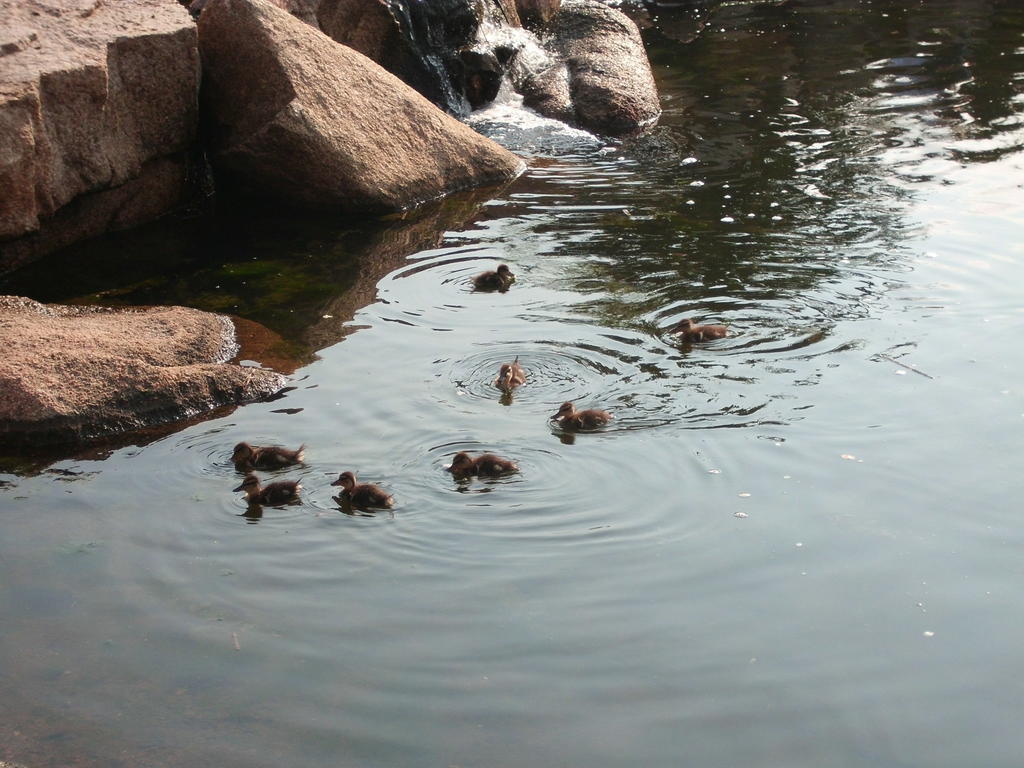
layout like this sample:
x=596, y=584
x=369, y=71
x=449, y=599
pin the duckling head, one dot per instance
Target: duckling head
x=242, y=452
x=565, y=409
x=249, y=485
x=504, y=380
x=682, y=326
x=505, y=273
x=461, y=464
x=346, y=480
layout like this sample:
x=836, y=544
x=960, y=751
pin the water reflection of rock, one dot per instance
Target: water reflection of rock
x=385, y=250
x=680, y=21
x=282, y=271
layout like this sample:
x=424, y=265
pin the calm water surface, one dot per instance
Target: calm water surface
x=797, y=546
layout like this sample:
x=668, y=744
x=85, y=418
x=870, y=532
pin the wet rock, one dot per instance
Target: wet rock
x=418, y=42
x=97, y=100
x=610, y=83
x=657, y=148
x=537, y=13
x=548, y=92
x=305, y=120
x=70, y=374
x=484, y=72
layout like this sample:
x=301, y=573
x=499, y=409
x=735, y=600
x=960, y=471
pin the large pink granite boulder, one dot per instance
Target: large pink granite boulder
x=311, y=122
x=70, y=374
x=98, y=109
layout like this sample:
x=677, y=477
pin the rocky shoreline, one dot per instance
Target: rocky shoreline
x=114, y=114
x=75, y=374
x=112, y=111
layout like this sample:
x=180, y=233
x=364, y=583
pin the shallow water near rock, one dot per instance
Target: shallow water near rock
x=795, y=546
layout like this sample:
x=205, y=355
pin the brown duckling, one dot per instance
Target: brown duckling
x=510, y=376
x=570, y=418
x=485, y=465
x=363, y=495
x=689, y=331
x=494, y=280
x=280, y=492
x=246, y=456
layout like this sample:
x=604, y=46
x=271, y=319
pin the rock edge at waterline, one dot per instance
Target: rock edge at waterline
x=99, y=112
x=72, y=374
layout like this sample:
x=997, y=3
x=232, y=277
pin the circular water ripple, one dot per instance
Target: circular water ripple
x=198, y=470
x=770, y=327
x=559, y=497
x=553, y=372
x=450, y=271
x=203, y=452
x=625, y=376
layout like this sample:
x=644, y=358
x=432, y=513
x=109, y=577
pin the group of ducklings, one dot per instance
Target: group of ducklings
x=248, y=457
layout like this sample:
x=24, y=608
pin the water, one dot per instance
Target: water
x=796, y=546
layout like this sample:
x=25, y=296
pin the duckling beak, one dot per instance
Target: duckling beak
x=239, y=488
x=337, y=482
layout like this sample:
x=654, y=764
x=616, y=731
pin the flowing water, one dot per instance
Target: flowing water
x=796, y=546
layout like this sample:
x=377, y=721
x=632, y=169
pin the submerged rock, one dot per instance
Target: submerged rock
x=301, y=118
x=98, y=108
x=70, y=374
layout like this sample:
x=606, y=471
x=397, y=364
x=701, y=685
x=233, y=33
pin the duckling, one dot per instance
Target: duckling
x=280, y=492
x=570, y=418
x=510, y=376
x=363, y=495
x=485, y=465
x=688, y=331
x=494, y=280
x=246, y=456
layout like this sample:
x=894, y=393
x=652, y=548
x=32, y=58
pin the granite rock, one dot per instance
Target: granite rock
x=71, y=374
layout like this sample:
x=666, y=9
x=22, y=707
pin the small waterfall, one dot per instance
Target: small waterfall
x=520, y=129
x=519, y=47
x=464, y=55
x=435, y=32
x=514, y=55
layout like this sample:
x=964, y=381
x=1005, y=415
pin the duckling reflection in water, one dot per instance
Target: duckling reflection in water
x=591, y=418
x=274, y=494
x=494, y=280
x=246, y=456
x=362, y=494
x=510, y=376
x=485, y=465
x=687, y=330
